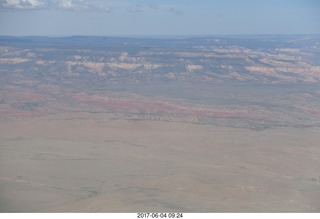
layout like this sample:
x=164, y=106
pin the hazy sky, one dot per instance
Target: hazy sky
x=158, y=17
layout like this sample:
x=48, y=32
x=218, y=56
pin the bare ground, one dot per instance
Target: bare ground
x=56, y=164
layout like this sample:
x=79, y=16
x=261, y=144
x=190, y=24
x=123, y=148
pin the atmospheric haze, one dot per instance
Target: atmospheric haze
x=109, y=124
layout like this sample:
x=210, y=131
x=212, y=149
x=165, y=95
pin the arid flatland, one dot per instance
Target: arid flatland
x=181, y=125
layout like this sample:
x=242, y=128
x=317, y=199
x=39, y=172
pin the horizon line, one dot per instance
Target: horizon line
x=163, y=35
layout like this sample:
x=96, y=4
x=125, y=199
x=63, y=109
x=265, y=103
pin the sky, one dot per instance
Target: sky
x=158, y=17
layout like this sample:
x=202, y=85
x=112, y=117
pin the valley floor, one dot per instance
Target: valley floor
x=58, y=164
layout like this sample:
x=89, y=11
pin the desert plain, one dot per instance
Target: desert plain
x=128, y=166
x=182, y=125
